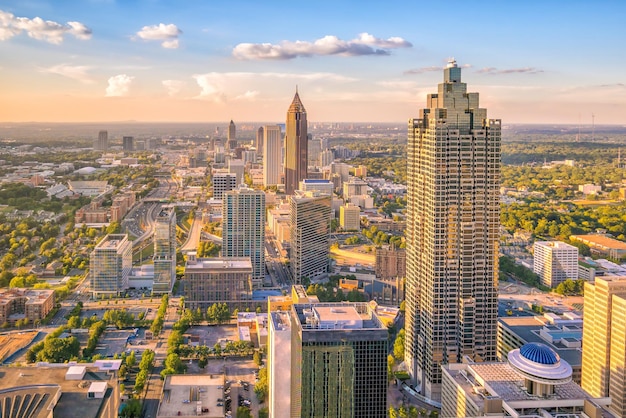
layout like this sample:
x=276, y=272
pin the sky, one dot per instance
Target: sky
x=558, y=61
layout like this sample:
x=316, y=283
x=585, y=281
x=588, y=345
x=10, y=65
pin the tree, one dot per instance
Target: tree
x=132, y=409
x=256, y=357
x=243, y=412
x=264, y=412
x=131, y=360
x=398, y=346
x=261, y=388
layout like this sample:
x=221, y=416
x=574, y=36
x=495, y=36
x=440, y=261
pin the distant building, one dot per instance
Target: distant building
x=296, y=143
x=31, y=304
x=360, y=171
x=326, y=157
x=327, y=360
x=222, y=183
x=110, y=263
x=89, y=188
x=218, y=280
x=259, y=143
x=603, y=245
x=534, y=382
x=354, y=187
x=243, y=229
x=317, y=185
x=231, y=142
x=588, y=189
x=237, y=167
x=390, y=263
x=554, y=262
x=604, y=341
x=272, y=155
x=350, y=217
x=164, y=258
x=102, y=143
x=128, y=143
x=310, y=236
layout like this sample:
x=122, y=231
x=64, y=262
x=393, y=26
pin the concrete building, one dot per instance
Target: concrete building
x=128, y=143
x=222, y=183
x=604, y=341
x=231, y=142
x=327, y=359
x=588, y=189
x=390, y=263
x=51, y=390
x=102, y=143
x=272, y=155
x=296, y=142
x=603, y=245
x=110, y=263
x=89, y=188
x=534, y=382
x=310, y=236
x=19, y=304
x=350, y=217
x=259, y=143
x=354, y=187
x=188, y=395
x=317, y=185
x=238, y=168
x=453, y=221
x=164, y=258
x=326, y=157
x=243, y=229
x=554, y=262
x=218, y=280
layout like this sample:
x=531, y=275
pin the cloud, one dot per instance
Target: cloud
x=493, y=70
x=173, y=86
x=432, y=68
x=119, y=85
x=42, y=30
x=364, y=44
x=75, y=72
x=240, y=85
x=161, y=32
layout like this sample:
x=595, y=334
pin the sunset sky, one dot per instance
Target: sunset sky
x=151, y=60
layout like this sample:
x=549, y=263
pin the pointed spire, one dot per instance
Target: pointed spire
x=296, y=104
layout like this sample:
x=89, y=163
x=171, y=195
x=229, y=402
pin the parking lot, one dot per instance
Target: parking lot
x=113, y=342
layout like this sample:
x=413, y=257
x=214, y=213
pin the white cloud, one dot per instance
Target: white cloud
x=173, y=86
x=364, y=44
x=75, y=72
x=37, y=28
x=493, y=70
x=240, y=85
x=432, y=68
x=119, y=85
x=161, y=32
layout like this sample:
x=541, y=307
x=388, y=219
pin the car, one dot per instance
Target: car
x=220, y=387
x=220, y=404
x=220, y=400
x=186, y=401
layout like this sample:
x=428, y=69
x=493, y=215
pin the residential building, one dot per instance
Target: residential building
x=534, y=382
x=164, y=258
x=554, y=262
x=272, y=155
x=453, y=220
x=390, y=263
x=19, y=304
x=243, y=229
x=218, y=280
x=604, y=341
x=327, y=360
x=222, y=183
x=110, y=263
x=296, y=141
x=310, y=235
x=350, y=217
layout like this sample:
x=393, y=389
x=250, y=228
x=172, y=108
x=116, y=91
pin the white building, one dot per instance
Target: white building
x=555, y=261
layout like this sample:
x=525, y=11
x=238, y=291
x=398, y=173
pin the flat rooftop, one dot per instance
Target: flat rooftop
x=281, y=320
x=220, y=263
x=181, y=394
x=601, y=240
x=343, y=316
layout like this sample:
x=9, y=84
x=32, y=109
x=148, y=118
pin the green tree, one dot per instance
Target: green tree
x=256, y=357
x=243, y=412
x=398, y=346
x=132, y=409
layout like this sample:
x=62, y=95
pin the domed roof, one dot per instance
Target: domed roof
x=539, y=353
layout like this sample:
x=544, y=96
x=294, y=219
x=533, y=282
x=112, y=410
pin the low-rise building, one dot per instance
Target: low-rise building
x=18, y=303
x=603, y=245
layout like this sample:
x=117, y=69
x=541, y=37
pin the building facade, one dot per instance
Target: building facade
x=128, y=143
x=164, y=252
x=350, y=217
x=309, y=235
x=554, y=262
x=102, y=143
x=604, y=341
x=272, y=155
x=31, y=304
x=453, y=220
x=222, y=183
x=231, y=141
x=243, y=229
x=390, y=263
x=296, y=142
x=110, y=263
x=217, y=280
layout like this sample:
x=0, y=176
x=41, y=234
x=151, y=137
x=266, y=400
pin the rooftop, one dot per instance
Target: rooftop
x=219, y=263
x=601, y=240
x=181, y=394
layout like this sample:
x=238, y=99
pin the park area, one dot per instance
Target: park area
x=12, y=342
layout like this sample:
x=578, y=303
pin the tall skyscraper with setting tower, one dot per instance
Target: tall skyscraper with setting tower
x=296, y=142
x=453, y=173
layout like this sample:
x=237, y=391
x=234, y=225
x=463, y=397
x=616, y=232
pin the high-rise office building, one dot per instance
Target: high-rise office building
x=243, y=228
x=604, y=341
x=259, y=143
x=164, y=252
x=238, y=168
x=327, y=360
x=110, y=263
x=272, y=155
x=554, y=262
x=231, y=142
x=453, y=218
x=222, y=183
x=309, y=235
x=296, y=141
x=128, y=143
x=102, y=143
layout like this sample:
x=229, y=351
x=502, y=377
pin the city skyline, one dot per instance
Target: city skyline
x=156, y=61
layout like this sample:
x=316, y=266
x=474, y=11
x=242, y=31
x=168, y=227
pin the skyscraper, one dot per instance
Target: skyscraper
x=452, y=233
x=296, y=140
x=604, y=341
x=110, y=263
x=102, y=143
x=243, y=228
x=128, y=143
x=164, y=252
x=231, y=142
x=258, y=144
x=555, y=262
x=272, y=155
x=309, y=235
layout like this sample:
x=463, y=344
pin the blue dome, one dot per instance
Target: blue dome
x=539, y=353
